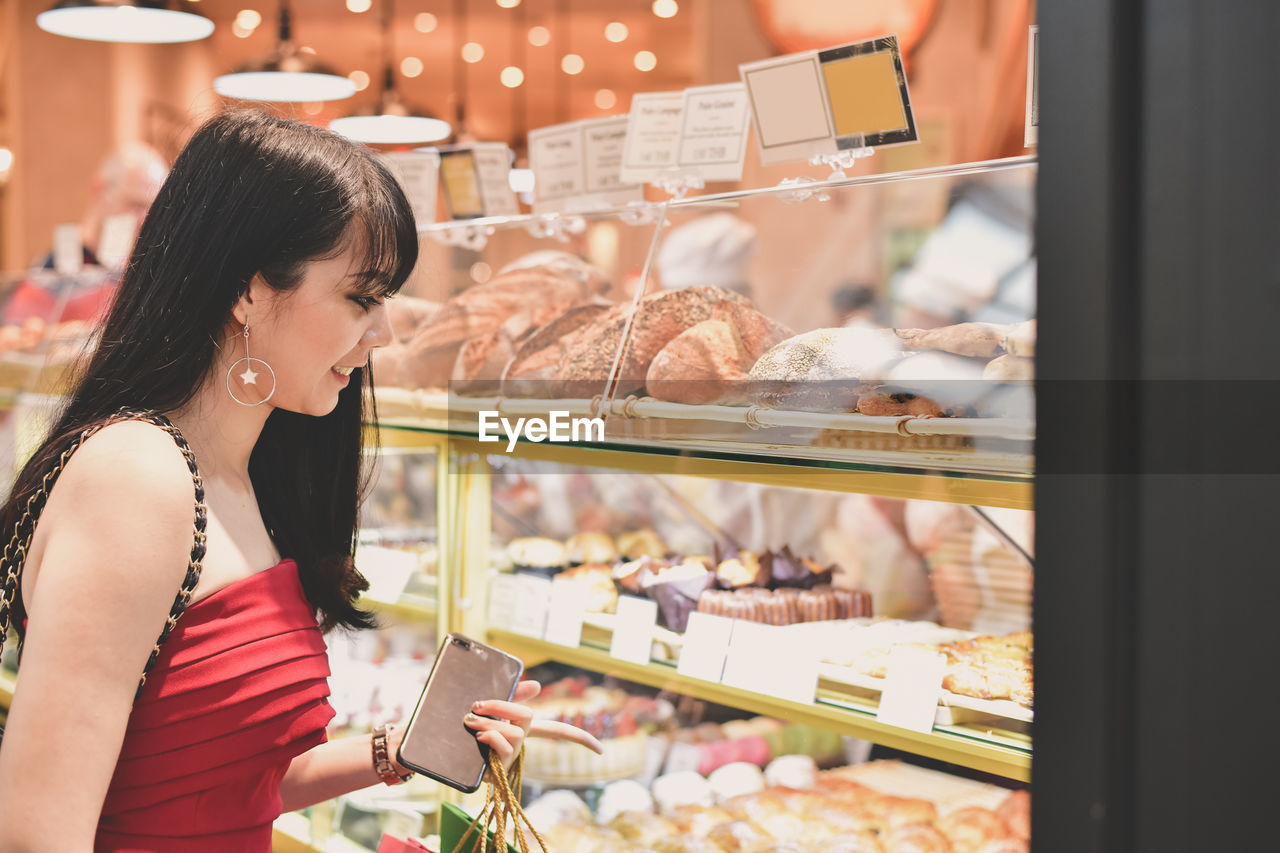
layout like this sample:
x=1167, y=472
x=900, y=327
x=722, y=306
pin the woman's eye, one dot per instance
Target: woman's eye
x=366, y=303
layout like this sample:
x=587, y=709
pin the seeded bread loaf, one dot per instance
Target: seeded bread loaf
x=822, y=370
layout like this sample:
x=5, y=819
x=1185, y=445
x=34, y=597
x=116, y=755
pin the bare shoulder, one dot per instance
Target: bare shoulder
x=126, y=491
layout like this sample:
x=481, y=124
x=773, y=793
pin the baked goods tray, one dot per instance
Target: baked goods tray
x=944, y=790
x=440, y=405
x=953, y=708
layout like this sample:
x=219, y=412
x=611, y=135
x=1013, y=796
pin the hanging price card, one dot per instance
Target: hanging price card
x=819, y=103
x=653, y=135
x=578, y=166
x=418, y=173
x=706, y=643
x=713, y=131
x=771, y=660
x=564, y=617
x=633, y=630
x=913, y=681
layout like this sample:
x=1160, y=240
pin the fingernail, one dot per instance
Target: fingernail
x=470, y=717
x=475, y=706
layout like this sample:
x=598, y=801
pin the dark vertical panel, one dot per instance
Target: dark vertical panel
x=1086, y=233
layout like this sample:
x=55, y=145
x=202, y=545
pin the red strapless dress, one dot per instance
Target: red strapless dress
x=238, y=690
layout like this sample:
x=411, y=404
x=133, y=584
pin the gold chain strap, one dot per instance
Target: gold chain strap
x=15, y=553
x=502, y=805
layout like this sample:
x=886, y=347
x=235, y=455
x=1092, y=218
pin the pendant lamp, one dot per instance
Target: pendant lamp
x=287, y=75
x=138, y=21
x=390, y=121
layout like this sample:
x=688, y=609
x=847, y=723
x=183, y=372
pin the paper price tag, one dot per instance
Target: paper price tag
x=706, y=644
x=493, y=174
x=116, y=240
x=504, y=598
x=653, y=136
x=577, y=166
x=683, y=757
x=387, y=569
x=913, y=682
x=68, y=249
x=567, y=606
x=418, y=174
x=713, y=131
x=633, y=630
x=533, y=601
x=771, y=660
x=819, y=103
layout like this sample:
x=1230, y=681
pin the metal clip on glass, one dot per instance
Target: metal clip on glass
x=555, y=225
x=677, y=182
x=845, y=157
x=466, y=235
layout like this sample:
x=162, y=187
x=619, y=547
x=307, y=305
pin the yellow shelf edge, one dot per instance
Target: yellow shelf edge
x=1009, y=494
x=1008, y=761
x=400, y=609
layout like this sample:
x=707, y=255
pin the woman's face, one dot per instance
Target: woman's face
x=312, y=336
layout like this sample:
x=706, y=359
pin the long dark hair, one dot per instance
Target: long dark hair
x=250, y=193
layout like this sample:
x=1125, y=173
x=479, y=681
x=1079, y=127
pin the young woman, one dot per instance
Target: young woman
x=247, y=313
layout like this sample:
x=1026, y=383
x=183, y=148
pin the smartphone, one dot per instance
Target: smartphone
x=436, y=742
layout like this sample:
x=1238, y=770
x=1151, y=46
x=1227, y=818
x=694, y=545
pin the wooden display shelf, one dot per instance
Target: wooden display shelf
x=1001, y=753
x=407, y=610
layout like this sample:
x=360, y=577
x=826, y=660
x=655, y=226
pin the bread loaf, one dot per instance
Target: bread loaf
x=1020, y=339
x=1010, y=368
x=586, y=362
x=532, y=368
x=822, y=370
x=538, y=294
x=708, y=362
x=981, y=340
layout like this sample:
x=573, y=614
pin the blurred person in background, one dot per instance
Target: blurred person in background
x=122, y=190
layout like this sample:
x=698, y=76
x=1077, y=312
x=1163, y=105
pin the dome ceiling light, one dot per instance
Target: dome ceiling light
x=288, y=75
x=135, y=21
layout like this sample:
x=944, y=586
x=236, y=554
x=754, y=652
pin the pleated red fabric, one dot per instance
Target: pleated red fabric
x=239, y=689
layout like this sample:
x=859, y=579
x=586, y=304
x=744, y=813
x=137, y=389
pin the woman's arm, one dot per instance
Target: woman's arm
x=117, y=531
x=345, y=765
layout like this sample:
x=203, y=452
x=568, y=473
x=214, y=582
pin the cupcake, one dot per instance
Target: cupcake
x=536, y=554
x=641, y=543
x=590, y=548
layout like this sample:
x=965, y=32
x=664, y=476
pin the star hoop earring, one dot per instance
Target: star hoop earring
x=249, y=376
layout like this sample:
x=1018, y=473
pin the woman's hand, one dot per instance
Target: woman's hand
x=504, y=725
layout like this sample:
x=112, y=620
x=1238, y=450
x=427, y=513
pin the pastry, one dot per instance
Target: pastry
x=406, y=313
x=970, y=828
x=1010, y=368
x=883, y=403
x=684, y=788
x=740, y=570
x=916, y=839
x=641, y=543
x=737, y=836
x=981, y=340
x=1008, y=845
x=537, y=554
x=590, y=548
x=822, y=370
x=632, y=574
x=1020, y=339
x=597, y=580
x=734, y=779
x=856, y=842
x=1015, y=811
x=642, y=827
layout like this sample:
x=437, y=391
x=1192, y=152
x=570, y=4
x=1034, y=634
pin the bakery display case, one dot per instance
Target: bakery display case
x=853, y=327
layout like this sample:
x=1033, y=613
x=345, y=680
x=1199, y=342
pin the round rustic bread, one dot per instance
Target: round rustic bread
x=823, y=369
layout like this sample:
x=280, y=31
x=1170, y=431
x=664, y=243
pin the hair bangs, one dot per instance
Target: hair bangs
x=385, y=235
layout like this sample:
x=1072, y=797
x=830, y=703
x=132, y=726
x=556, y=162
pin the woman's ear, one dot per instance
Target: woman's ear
x=252, y=301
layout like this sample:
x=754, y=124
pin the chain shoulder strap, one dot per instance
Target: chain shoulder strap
x=15, y=553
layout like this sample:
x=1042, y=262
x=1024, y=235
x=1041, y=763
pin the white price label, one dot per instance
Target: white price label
x=68, y=249
x=706, y=644
x=504, y=599
x=564, y=618
x=713, y=132
x=772, y=660
x=493, y=173
x=577, y=166
x=418, y=173
x=653, y=135
x=633, y=630
x=913, y=682
x=116, y=240
x=387, y=569
x=533, y=600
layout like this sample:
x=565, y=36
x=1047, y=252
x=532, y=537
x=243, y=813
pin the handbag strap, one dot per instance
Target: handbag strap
x=15, y=553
